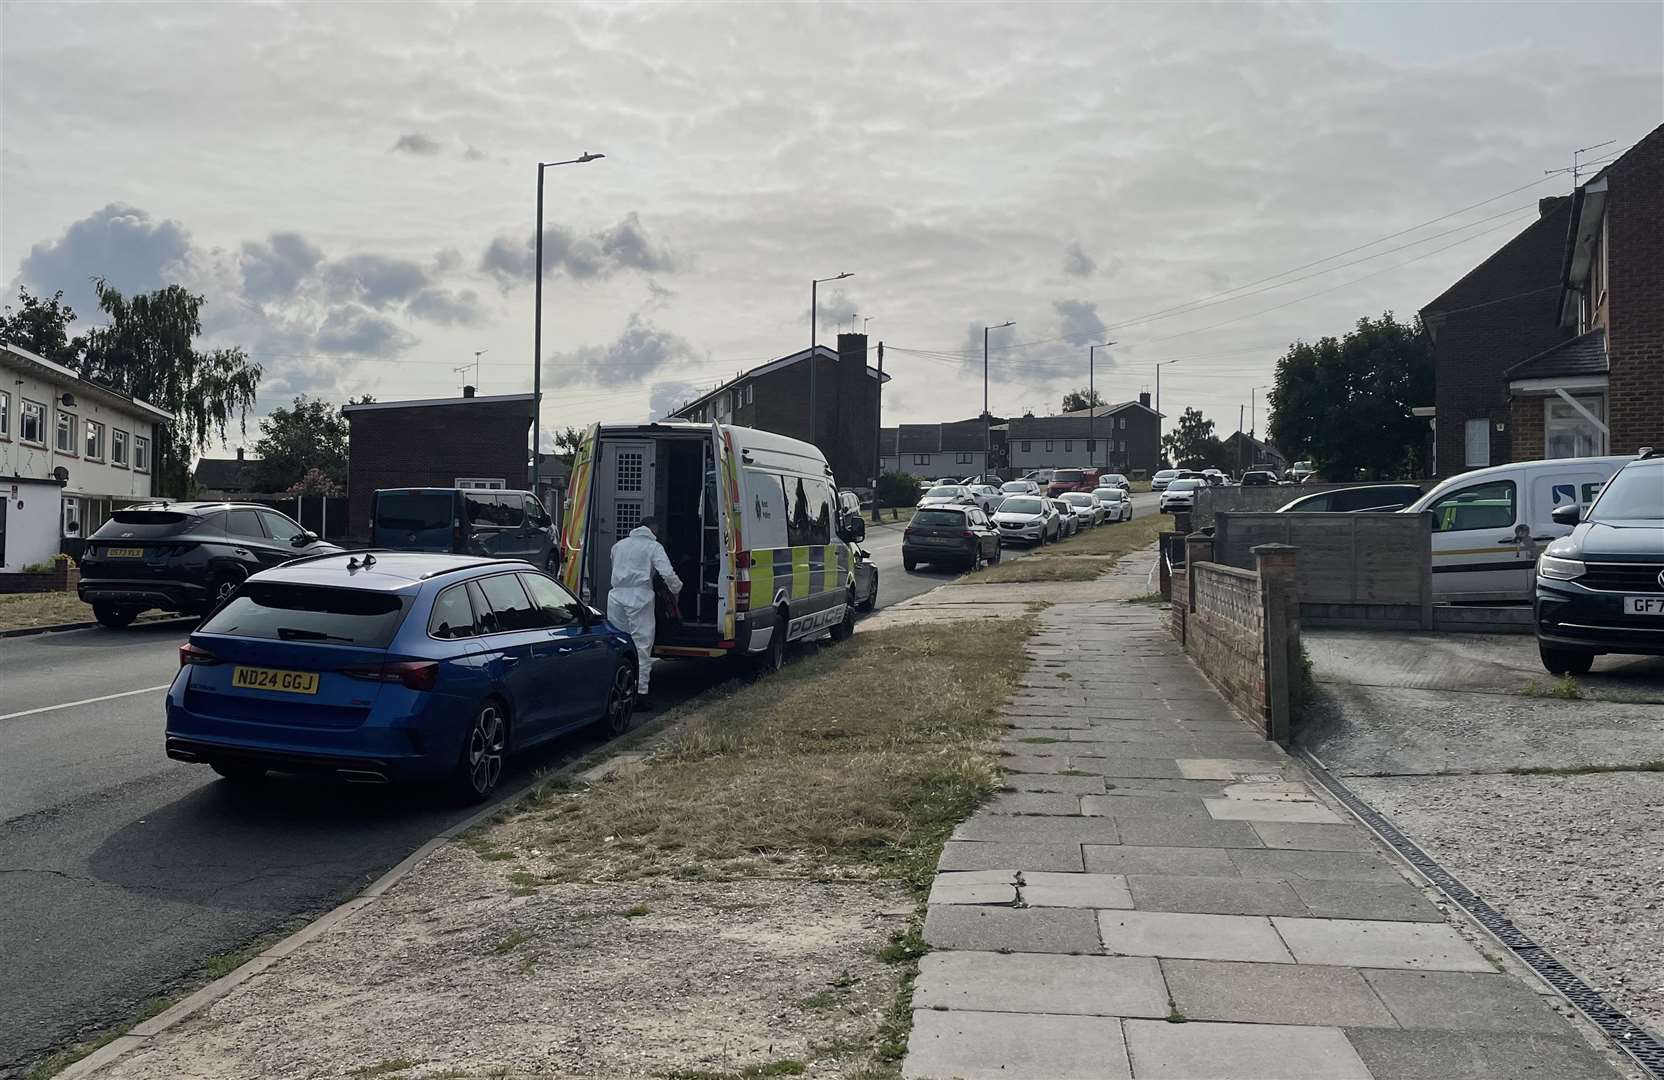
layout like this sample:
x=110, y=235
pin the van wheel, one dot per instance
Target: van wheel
x=1565, y=661
x=484, y=747
x=845, y=628
x=774, y=658
x=114, y=617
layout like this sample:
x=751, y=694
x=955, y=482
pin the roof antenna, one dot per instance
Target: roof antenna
x=369, y=559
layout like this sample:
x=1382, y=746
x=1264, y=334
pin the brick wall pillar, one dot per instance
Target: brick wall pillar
x=1198, y=548
x=1166, y=542
x=1181, y=521
x=1283, y=668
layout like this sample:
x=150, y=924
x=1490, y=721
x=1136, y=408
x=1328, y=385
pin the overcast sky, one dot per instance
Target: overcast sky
x=352, y=185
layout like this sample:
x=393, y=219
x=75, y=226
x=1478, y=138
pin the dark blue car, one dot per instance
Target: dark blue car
x=395, y=666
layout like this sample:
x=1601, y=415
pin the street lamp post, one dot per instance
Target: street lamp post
x=1092, y=399
x=537, y=319
x=814, y=344
x=987, y=423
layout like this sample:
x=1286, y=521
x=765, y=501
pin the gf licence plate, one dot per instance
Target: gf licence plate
x=1644, y=605
x=288, y=682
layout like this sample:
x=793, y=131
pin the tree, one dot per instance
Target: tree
x=1082, y=398
x=147, y=352
x=1193, y=445
x=567, y=442
x=309, y=437
x=41, y=326
x=315, y=482
x=898, y=489
x=1345, y=404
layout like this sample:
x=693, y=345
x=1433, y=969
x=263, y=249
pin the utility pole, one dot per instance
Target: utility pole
x=1092, y=401
x=878, y=446
x=987, y=421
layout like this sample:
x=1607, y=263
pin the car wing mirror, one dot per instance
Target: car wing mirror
x=304, y=538
x=1567, y=514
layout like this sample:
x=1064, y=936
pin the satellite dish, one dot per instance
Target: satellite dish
x=68, y=400
x=61, y=474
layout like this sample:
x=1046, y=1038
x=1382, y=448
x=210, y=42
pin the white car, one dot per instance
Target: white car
x=1215, y=477
x=1020, y=487
x=1117, y=506
x=1028, y=519
x=1086, y=505
x=947, y=495
x=987, y=496
x=1160, y=480
x=1070, y=516
x=1181, y=494
x=1115, y=479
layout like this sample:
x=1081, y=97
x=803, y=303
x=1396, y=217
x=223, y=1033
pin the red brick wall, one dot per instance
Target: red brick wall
x=1635, y=333
x=1525, y=429
x=61, y=578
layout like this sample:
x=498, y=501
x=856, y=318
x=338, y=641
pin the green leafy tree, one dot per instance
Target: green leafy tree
x=1344, y=404
x=309, y=436
x=898, y=489
x=567, y=442
x=41, y=325
x=315, y=482
x=1194, y=445
x=1082, y=398
x=148, y=352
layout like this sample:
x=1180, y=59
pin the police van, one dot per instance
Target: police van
x=750, y=520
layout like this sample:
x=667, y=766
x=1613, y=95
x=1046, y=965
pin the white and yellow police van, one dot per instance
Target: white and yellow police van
x=751, y=523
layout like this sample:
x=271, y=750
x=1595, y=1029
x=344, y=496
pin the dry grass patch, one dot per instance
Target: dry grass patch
x=26, y=610
x=1083, y=557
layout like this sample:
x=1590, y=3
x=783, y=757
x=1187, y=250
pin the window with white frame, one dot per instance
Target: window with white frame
x=1123, y=423
x=962, y=458
x=141, y=454
x=66, y=433
x=1123, y=446
x=1478, y=442
x=480, y=483
x=921, y=459
x=31, y=423
x=5, y=415
x=118, y=447
x=95, y=441
x=748, y=388
x=1567, y=432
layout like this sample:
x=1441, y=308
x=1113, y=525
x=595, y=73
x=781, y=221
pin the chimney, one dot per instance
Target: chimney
x=467, y=391
x=1546, y=205
x=1144, y=398
x=239, y=453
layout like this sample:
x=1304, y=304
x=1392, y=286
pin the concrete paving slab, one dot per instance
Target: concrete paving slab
x=1188, y=832
x=1466, y=1055
x=1314, y=837
x=1142, y=787
x=1045, y=723
x=1078, y=785
x=992, y=929
x=1304, y=813
x=1229, y=769
x=1034, y=803
x=1465, y=1001
x=1213, y=895
x=1158, y=860
x=1147, y=768
x=1126, y=806
x=975, y=887
x=1277, y=791
x=1033, y=763
x=1378, y=944
x=1041, y=983
x=1041, y=889
x=1303, y=994
x=1194, y=937
x=1040, y=830
x=975, y=855
x=1014, y=1046
x=1316, y=865
x=1390, y=900
x=1205, y=1051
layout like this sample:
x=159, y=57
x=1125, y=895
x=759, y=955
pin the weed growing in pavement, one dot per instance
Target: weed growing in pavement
x=1565, y=688
x=1154, y=599
x=383, y=1068
x=509, y=942
x=1038, y=739
x=638, y=911
x=763, y=1071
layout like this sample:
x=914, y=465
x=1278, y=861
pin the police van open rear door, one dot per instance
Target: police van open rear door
x=733, y=578
x=575, y=572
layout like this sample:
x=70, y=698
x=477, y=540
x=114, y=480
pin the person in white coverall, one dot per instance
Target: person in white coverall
x=630, y=599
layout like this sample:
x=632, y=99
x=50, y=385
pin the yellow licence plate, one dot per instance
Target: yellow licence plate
x=124, y=553
x=288, y=682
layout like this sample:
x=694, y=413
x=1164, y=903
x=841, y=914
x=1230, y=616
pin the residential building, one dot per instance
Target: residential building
x=227, y=476
x=931, y=451
x=463, y=441
x=71, y=450
x=1500, y=313
x=775, y=397
x=553, y=475
x=1124, y=437
x=1243, y=451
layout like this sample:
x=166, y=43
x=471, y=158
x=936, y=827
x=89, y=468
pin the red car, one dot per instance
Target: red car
x=1067, y=480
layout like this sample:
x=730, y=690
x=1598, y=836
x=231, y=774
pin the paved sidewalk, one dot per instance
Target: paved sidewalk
x=1161, y=893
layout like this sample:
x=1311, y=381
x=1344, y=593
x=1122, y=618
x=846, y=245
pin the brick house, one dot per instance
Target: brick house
x=1125, y=437
x=775, y=397
x=226, y=476
x=464, y=441
x=929, y=451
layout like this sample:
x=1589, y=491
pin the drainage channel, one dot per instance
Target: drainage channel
x=1635, y=1041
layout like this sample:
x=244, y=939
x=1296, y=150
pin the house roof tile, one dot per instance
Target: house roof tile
x=1582, y=355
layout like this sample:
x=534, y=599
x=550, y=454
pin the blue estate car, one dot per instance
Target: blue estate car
x=395, y=665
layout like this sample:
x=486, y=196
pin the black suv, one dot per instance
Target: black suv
x=1600, y=589
x=184, y=556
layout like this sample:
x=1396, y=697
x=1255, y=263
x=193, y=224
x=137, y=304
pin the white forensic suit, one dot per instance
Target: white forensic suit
x=630, y=599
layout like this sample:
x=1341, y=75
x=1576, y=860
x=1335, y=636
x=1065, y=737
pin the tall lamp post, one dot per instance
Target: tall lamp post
x=814, y=343
x=537, y=320
x=1092, y=400
x=987, y=423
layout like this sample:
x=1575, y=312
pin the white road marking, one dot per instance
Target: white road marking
x=84, y=701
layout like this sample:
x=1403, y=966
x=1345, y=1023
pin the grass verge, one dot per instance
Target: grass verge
x=1079, y=558
x=25, y=610
x=1584, y=770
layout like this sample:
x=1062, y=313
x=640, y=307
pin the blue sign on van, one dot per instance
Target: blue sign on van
x=1565, y=493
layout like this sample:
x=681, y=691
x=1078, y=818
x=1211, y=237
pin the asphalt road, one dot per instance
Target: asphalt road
x=121, y=872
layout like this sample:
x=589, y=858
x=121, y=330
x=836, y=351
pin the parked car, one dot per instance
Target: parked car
x=1181, y=494
x=866, y=581
x=1020, y=487
x=1041, y=477
x=947, y=481
x=1259, y=478
x=1300, y=470
x=1028, y=519
x=1368, y=497
x=1115, y=479
x=1600, y=589
x=465, y=521
x=987, y=496
x=184, y=556
x=947, y=495
x=1066, y=480
x=1086, y=504
x=1160, y=480
x=1116, y=503
x=990, y=479
x=1070, y=520
x=395, y=666
x=1215, y=477
x=1490, y=524
x=957, y=535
